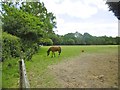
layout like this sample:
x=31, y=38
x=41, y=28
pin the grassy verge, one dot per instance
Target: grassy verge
x=37, y=68
x=0, y=75
x=10, y=73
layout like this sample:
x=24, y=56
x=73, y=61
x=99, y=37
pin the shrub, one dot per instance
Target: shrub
x=11, y=46
x=28, y=49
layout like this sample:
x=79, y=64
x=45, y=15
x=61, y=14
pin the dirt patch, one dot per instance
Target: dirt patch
x=88, y=71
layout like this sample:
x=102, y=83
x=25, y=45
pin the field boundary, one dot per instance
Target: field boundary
x=24, y=83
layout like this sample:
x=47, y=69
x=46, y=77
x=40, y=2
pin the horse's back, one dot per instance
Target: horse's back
x=55, y=48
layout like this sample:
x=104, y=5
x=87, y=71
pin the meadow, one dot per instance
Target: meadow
x=37, y=68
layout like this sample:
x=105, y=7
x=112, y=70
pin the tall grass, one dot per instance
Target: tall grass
x=10, y=73
x=0, y=75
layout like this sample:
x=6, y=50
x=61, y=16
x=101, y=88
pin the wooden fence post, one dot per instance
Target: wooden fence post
x=20, y=71
x=23, y=76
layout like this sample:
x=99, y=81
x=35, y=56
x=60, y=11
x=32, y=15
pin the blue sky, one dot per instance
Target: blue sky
x=90, y=16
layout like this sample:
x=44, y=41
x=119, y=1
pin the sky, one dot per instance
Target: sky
x=91, y=16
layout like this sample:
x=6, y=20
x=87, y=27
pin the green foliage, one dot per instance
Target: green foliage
x=87, y=39
x=11, y=46
x=39, y=10
x=21, y=24
x=114, y=7
x=117, y=40
x=70, y=42
x=48, y=42
x=68, y=38
x=28, y=50
x=29, y=21
x=55, y=38
x=45, y=41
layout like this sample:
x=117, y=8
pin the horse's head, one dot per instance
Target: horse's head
x=48, y=52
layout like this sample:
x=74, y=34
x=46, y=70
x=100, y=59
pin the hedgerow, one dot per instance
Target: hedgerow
x=11, y=46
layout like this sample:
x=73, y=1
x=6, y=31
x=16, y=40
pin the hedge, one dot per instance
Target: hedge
x=11, y=46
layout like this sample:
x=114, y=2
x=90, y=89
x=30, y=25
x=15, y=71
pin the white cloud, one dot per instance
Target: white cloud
x=82, y=9
x=100, y=4
x=75, y=9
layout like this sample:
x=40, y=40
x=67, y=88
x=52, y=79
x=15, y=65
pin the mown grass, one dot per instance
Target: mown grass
x=37, y=69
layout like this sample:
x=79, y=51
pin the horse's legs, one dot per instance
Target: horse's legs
x=58, y=54
x=54, y=54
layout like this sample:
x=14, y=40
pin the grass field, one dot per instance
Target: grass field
x=37, y=68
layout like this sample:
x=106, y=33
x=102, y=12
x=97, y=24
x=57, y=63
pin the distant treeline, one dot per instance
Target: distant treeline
x=85, y=39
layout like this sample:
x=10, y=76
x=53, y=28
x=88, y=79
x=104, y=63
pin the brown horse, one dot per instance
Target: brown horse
x=54, y=49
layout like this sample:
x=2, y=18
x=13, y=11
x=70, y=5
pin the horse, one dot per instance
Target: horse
x=54, y=49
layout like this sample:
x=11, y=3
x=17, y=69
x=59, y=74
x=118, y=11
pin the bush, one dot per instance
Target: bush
x=28, y=49
x=11, y=46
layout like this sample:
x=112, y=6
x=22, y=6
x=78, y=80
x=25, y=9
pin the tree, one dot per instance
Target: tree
x=29, y=22
x=57, y=40
x=117, y=39
x=28, y=17
x=78, y=39
x=115, y=7
x=70, y=42
x=21, y=24
x=68, y=37
x=88, y=39
x=39, y=10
